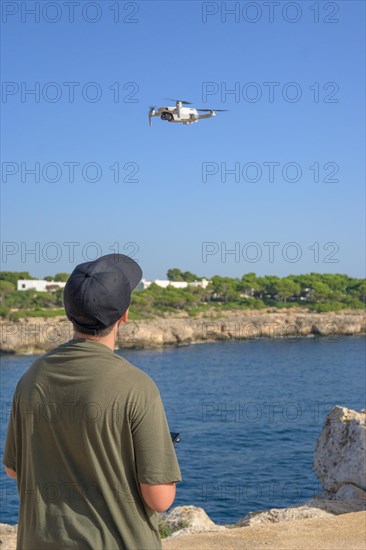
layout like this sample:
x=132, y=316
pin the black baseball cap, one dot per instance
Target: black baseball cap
x=98, y=293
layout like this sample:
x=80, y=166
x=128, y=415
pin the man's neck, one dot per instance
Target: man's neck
x=109, y=340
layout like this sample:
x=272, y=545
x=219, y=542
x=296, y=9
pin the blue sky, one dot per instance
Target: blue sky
x=171, y=212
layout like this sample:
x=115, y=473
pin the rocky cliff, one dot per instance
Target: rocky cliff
x=36, y=335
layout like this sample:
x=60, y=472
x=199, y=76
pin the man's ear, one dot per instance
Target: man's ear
x=124, y=318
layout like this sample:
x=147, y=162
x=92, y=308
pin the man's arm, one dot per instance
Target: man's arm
x=157, y=467
x=11, y=473
x=10, y=448
x=158, y=497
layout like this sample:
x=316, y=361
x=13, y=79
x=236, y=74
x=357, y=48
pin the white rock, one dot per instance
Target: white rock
x=340, y=463
x=190, y=519
x=340, y=454
x=275, y=515
x=8, y=536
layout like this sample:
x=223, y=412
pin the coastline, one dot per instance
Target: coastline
x=335, y=518
x=37, y=335
x=330, y=533
x=327, y=533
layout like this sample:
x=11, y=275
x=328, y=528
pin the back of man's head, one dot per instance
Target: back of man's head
x=98, y=293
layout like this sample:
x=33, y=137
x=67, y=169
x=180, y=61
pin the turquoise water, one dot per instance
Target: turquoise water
x=248, y=412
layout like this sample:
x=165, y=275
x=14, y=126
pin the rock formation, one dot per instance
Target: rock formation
x=184, y=520
x=340, y=452
x=35, y=335
x=339, y=461
x=340, y=464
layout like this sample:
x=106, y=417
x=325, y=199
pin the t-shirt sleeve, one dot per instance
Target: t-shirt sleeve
x=9, y=455
x=156, y=461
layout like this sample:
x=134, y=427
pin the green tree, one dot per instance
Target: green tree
x=175, y=274
x=285, y=289
x=61, y=277
x=6, y=287
x=320, y=291
x=357, y=289
x=249, y=282
x=14, y=276
x=269, y=287
x=45, y=299
x=190, y=277
x=59, y=297
x=224, y=289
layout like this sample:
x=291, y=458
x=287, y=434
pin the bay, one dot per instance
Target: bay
x=249, y=414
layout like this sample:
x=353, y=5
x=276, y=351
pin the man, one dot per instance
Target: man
x=88, y=440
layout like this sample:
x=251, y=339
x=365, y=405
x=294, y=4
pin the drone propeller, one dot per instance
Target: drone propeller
x=151, y=114
x=210, y=110
x=178, y=101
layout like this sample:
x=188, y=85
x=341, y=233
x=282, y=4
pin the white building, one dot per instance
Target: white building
x=39, y=285
x=203, y=284
x=164, y=283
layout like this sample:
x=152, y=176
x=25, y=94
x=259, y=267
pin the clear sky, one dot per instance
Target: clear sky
x=297, y=75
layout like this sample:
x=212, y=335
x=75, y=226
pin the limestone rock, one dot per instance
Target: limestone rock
x=8, y=536
x=35, y=335
x=348, y=498
x=275, y=515
x=339, y=461
x=189, y=519
x=340, y=454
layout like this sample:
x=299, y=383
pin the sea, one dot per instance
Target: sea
x=248, y=412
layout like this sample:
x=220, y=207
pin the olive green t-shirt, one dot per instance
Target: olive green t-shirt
x=87, y=427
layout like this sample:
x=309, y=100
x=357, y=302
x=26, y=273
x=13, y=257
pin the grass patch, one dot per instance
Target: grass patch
x=45, y=313
x=138, y=315
x=164, y=529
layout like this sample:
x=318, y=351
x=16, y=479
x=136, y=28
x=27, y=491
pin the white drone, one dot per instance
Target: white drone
x=185, y=115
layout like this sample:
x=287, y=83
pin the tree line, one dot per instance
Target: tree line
x=314, y=291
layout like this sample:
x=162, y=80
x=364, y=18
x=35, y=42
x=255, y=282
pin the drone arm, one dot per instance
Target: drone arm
x=209, y=115
x=152, y=113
